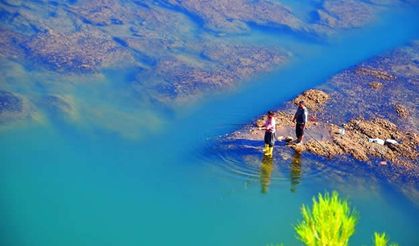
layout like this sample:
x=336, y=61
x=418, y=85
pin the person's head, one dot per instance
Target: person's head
x=270, y=114
x=301, y=104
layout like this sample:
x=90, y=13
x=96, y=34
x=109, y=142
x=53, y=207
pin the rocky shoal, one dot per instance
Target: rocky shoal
x=376, y=99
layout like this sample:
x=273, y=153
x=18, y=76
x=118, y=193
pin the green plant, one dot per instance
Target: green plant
x=381, y=239
x=329, y=222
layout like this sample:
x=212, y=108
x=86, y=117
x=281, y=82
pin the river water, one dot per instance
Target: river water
x=150, y=178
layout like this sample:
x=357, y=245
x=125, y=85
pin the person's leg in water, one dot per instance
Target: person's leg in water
x=299, y=132
x=269, y=143
x=266, y=148
x=266, y=140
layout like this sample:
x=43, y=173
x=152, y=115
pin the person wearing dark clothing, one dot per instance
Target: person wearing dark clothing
x=300, y=118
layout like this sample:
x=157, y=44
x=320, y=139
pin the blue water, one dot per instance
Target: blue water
x=116, y=175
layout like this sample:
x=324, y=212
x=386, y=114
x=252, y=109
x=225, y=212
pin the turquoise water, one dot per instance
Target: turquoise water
x=116, y=175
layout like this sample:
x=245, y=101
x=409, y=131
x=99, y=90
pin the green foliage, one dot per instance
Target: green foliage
x=329, y=222
x=381, y=239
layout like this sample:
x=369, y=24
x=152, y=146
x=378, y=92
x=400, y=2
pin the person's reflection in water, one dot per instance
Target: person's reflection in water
x=266, y=172
x=295, y=171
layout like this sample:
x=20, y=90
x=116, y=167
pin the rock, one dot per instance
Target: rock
x=83, y=51
x=9, y=102
x=9, y=41
x=313, y=99
x=323, y=148
x=356, y=143
x=227, y=65
x=102, y=12
x=234, y=15
x=379, y=74
x=401, y=110
x=58, y=105
x=347, y=99
x=186, y=35
x=243, y=60
x=298, y=148
x=376, y=85
x=345, y=13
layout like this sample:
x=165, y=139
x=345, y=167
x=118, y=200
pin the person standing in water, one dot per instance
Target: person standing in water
x=301, y=117
x=270, y=127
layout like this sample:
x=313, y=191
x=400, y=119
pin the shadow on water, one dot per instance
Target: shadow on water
x=244, y=160
x=295, y=171
x=266, y=169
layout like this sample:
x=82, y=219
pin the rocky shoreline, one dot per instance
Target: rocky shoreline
x=373, y=101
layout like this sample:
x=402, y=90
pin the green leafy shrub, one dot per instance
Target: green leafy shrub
x=329, y=222
x=381, y=239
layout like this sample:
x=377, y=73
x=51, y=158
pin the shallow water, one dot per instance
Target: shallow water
x=126, y=171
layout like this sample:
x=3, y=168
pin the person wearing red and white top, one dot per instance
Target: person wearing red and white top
x=270, y=128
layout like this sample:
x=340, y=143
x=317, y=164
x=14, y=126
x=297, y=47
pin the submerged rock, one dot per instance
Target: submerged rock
x=58, y=105
x=192, y=38
x=376, y=73
x=8, y=41
x=80, y=51
x=224, y=65
x=9, y=102
x=345, y=13
x=12, y=107
x=235, y=15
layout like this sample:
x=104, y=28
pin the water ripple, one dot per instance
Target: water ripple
x=248, y=163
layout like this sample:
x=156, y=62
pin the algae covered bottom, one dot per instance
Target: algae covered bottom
x=107, y=110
